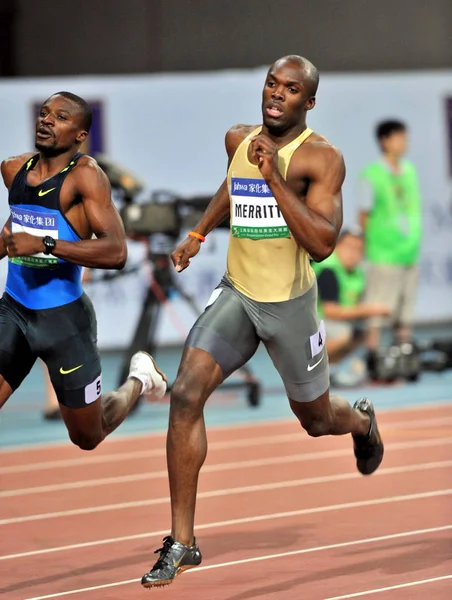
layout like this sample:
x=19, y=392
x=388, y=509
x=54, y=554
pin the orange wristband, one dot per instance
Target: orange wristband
x=198, y=236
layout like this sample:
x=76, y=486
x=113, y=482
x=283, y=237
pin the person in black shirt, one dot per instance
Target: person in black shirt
x=341, y=284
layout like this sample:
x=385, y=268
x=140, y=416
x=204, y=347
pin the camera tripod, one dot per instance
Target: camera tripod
x=145, y=331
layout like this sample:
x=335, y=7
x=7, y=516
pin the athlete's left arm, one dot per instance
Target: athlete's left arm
x=109, y=249
x=314, y=222
x=317, y=220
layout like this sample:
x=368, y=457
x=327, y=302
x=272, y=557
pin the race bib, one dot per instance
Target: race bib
x=93, y=391
x=35, y=223
x=317, y=340
x=255, y=212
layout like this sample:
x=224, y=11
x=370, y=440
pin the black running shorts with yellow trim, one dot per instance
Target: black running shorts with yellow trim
x=65, y=338
x=232, y=326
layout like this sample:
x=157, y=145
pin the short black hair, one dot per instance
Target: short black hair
x=85, y=108
x=386, y=128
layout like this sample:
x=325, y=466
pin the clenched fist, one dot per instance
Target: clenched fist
x=21, y=244
x=184, y=251
x=265, y=152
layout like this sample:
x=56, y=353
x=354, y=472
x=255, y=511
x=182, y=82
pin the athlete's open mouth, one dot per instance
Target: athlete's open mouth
x=43, y=133
x=274, y=110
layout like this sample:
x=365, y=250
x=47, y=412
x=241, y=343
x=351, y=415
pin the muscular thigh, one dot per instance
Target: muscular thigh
x=68, y=346
x=225, y=330
x=16, y=356
x=295, y=341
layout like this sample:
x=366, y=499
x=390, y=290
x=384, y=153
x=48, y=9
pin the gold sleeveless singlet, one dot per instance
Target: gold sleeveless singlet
x=264, y=261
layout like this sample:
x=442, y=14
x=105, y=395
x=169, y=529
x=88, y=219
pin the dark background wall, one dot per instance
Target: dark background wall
x=59, y=37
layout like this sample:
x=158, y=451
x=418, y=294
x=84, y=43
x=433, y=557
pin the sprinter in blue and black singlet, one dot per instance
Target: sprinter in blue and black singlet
x=62, y=219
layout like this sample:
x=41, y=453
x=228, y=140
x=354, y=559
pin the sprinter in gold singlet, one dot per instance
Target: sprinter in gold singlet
x=283, y=197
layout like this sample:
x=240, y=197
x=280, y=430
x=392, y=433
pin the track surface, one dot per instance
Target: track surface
x=279, y=515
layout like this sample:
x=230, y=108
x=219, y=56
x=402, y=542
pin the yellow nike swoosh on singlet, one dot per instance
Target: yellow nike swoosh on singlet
x=63, y=372
x=43, y=193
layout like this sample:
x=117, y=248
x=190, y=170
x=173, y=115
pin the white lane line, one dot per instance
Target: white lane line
x=232, y=466
x=120, y=456
x=244, y=520
x=437, y=405
x=391, y=587
x=299, y=437
x=264, y=487
x=245, y=561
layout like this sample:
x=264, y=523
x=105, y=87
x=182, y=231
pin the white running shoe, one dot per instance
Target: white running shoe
x=143, y=367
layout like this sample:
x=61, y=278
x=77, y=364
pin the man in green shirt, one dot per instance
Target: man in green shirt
x=341, y=284
x=390, y=214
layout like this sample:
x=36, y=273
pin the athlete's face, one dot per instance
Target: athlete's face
x=59, y=126
x=286, y=96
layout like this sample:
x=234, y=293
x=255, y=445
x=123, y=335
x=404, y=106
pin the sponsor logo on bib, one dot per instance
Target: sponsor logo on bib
x=39, y=223
x=255, y=212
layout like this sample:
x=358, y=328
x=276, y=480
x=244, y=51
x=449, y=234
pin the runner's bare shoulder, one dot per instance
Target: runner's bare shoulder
x=10, y=166
x=318, y=150
x=235, y=135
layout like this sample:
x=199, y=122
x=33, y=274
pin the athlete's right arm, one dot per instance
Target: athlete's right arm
x=3, y=251
x=9, y=169
x=217, y=210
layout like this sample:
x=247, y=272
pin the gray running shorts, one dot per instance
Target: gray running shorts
x=232, y=326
